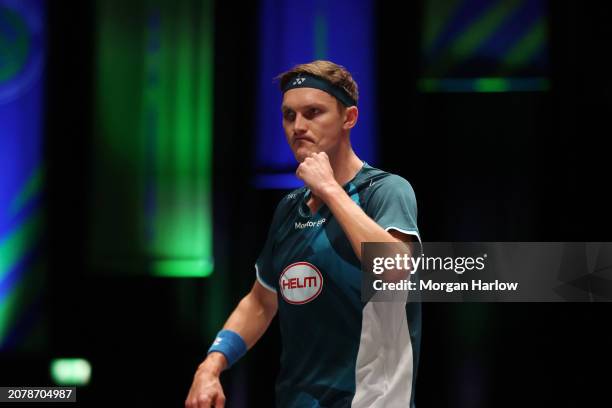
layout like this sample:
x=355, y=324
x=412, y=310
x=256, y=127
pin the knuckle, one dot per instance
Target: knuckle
x=204, y=399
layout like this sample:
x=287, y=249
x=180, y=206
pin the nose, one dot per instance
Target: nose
x=300, y=124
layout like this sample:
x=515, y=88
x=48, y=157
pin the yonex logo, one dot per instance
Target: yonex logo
x=298, y=81
x=291, y=196
x=310, y=224
x=300, y=283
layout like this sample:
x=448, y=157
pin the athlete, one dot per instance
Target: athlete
x=338, y=351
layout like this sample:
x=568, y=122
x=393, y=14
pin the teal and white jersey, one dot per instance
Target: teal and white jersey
x=338, y=351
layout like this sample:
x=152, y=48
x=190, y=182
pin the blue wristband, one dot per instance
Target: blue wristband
x=230, y=344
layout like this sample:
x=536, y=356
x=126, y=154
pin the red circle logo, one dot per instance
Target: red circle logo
x=300, y=283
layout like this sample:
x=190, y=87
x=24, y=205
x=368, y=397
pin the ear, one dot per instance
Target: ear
x=350, y=117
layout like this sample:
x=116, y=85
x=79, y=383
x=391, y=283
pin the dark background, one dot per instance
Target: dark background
x=499, y=167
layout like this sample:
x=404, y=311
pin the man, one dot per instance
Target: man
x=338, y=351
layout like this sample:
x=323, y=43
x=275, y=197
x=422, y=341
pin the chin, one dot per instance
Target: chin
x=301, y=154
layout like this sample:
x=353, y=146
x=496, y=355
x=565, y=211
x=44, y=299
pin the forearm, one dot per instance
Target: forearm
x=355, y=223
x=250, y=320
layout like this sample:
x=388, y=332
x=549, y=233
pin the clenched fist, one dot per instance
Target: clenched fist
x=317, y=173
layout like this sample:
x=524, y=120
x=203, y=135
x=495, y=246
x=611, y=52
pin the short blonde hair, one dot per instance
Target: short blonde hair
x=336, y=74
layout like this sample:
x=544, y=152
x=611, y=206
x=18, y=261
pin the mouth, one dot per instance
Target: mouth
x=302, y=139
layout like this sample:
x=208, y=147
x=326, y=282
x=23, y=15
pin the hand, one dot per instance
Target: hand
x=206, y=390
x=317, y=174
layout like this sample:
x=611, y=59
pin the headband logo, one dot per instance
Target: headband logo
x=298, y=81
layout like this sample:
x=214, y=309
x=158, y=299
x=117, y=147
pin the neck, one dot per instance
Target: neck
x=345, y=164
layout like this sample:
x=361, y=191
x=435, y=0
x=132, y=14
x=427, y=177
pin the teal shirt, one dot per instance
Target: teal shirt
x=310, y=264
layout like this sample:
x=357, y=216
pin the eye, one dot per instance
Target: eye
x=312, y=112
x=289, y=115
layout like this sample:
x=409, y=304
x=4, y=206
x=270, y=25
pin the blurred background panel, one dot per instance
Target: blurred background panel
x=152, y=147
x=23, y=31
x=484, y=46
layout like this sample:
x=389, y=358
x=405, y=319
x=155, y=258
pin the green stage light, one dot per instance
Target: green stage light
x=152, y=187
x=183, y=268
x=70, y=371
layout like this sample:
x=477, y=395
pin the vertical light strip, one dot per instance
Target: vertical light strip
x=22, y=62
x=341, y=31
x=155, y=134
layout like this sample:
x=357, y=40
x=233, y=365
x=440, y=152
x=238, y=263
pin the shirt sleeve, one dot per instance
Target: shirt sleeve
x=392, y=204
x=264, y=269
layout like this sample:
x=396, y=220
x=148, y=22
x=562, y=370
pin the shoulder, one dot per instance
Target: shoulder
x=289, y=202
x=394, y=180
x=380, y=181
x=293, y=195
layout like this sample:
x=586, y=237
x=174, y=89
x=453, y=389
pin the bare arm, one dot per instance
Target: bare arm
x=250, y=320
x=355, y=223
x=359, y=227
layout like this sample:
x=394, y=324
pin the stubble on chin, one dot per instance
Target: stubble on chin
x=302, y=154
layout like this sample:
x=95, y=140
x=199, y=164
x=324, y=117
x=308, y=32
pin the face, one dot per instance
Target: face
x=312, y=121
